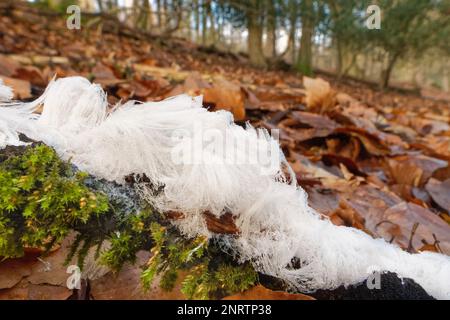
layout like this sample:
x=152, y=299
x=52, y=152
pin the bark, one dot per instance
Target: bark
x=339, y=66
x=197, y=19
x=386, y=74
x=290, y=48
x=255, y=33
x=165, y=15
x=100, y=5
x=271, y=45
x=158, y=13
x=219, y=30
x=204, y=23
x=136, y=13
x=187, y=23
x=304, y=60
x=144, y=14
x=335, y=13
x=212, y=28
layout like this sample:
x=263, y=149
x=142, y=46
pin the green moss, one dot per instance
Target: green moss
x=204, y=282
x=41, y=200
x=131, y=236
x=205, y=276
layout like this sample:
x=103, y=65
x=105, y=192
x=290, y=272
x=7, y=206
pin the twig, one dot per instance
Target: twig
x=413, y=232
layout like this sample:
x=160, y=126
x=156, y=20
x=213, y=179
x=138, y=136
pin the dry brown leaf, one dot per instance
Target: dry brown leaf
x=14, y=270
x=104, y=75
x=26, y=291
x=405, y=173
x=414, y=169
x=407, y=214
x=319, y=95
x=223, y=225
x=127, y=285
x=168, y=73
x=372, y=143
x=31, y=74
x=350, y=216
x=226, y=95
x=8, y=66
x=21, y=88
x=440, y=192
x=220, y=94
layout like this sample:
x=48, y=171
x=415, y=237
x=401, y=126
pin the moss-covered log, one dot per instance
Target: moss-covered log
x=43, y=198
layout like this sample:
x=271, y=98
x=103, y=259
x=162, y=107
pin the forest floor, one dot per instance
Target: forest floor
x=374, y=160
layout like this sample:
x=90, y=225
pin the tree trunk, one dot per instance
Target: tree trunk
x=339, y=66
x=158, y=10
x=146, y=15
x=336, y=14
x=174, y=12
x=187, y=23
x=165, y=13
x=271, y=46
x=292, y=7
x=100, y=5
x=204, y=23
x=219, y=31
x=136, y=13
x=197, y=19
x=255, y=33
x=304, y=60
x=143, y=10
x=212, y=27
x=386, y=74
